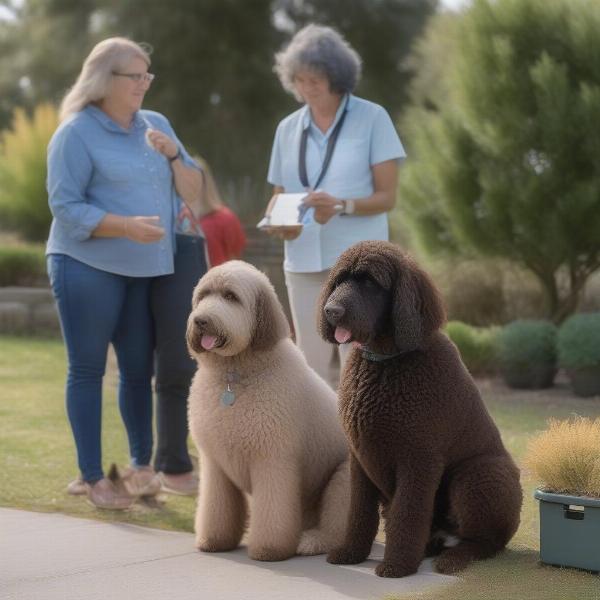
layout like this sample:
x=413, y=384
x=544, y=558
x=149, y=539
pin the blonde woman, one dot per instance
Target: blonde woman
x=116, y=174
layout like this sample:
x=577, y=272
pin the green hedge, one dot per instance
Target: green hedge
x=477, y=346
x=579, y=341
x=22, y=265
x=527, y=353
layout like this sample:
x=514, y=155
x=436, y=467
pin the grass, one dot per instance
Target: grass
x=37, y=455
x=37, y=460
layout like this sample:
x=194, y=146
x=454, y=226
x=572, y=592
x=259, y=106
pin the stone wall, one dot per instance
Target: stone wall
x=28, y=311
x=32, y=311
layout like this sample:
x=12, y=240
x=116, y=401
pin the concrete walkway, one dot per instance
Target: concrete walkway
x=55, y=557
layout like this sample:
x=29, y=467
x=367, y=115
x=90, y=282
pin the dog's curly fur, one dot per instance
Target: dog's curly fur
x=280, y=446
x=422, y=443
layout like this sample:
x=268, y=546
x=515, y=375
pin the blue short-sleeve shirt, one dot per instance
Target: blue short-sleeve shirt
x=96, y=167
x=367, y=137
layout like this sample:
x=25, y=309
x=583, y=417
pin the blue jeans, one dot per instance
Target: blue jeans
x=171, y=305
x=97, y=308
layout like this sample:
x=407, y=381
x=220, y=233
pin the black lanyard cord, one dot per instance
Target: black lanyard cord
x=330, y=148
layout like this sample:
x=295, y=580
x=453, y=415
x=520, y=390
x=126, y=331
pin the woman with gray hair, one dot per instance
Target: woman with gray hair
x=116, y=177
x=343, y=151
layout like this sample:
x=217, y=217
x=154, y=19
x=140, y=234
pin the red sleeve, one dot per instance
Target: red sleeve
x=224, y=236
x=235, y=238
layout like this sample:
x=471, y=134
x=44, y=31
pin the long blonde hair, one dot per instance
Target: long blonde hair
x=93, y=82
x=210, y=199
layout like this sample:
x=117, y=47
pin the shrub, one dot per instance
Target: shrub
x=566, y=457
x=23, y=197
x=22, y=265
x=527, y=353
x=486, y=292
x=476, y=346
x=579, y=341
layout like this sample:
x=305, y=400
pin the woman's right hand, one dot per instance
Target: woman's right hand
x=144, y=230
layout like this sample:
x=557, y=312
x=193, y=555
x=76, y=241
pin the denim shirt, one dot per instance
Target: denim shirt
x=96, y=167
x=367, y=137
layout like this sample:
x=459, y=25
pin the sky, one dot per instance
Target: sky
x=453, y=4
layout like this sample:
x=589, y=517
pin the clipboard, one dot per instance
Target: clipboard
x=287, y=210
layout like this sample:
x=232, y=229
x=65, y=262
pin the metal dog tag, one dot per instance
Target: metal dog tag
x=227, y=397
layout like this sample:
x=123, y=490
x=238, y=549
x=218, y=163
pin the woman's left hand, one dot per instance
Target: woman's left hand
x=325, y=205
x=162, y=143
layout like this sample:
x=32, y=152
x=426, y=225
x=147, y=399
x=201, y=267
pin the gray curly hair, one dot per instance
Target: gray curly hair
x=321, y=49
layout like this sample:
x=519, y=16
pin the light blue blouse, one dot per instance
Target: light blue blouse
x=96, y=167
x=367, y=137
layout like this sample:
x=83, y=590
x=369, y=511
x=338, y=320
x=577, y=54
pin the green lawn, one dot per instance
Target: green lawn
x=37, y=455
x=37, y=460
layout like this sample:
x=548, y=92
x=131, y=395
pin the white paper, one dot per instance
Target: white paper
x=285, y=209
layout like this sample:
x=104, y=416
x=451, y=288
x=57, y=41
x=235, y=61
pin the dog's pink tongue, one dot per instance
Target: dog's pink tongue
x=208, y=342
x=342, y=335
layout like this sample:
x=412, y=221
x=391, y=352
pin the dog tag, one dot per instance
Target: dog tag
x=227, y=397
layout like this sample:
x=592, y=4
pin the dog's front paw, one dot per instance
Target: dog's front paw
x=346, y=556
x=387, y=569
x=312, y=543
x=214, y=545
x=270, y=554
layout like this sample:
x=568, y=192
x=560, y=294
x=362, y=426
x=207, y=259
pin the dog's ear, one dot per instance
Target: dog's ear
x=417, y=308
x=270, y=324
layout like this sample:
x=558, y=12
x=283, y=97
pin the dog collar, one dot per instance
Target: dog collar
x=374, y=357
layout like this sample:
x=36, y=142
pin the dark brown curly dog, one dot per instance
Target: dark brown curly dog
x=423, y=444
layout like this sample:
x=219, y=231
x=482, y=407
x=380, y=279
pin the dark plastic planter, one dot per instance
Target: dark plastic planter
x=569, y=530
x=586, y=382
x=530, y=377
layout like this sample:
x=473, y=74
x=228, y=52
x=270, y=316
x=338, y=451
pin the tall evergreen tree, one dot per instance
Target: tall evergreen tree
x=508, y=165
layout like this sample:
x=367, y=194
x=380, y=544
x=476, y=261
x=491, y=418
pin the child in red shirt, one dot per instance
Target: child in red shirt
x=225, y=238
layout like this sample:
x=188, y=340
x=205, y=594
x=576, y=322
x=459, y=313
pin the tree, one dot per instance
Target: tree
x=508, y=165
x=214, y=65
x=41, y=51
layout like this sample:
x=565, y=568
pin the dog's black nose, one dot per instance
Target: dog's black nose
x=334, y=312
x=200, y=322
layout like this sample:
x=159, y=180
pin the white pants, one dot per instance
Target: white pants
x=303, y=292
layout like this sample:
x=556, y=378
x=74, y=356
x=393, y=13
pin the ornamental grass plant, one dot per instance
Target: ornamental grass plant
x=565, y=459
x=23, y=197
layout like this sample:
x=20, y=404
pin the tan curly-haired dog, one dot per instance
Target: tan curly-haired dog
x=422, y=442
x=265, y=425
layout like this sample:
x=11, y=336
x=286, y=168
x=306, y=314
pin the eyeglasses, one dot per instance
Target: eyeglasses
x=137, y=77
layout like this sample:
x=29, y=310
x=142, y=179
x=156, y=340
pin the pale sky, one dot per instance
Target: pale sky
x=453, y=4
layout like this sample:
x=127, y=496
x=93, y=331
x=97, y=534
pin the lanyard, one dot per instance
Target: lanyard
x=330, y=148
